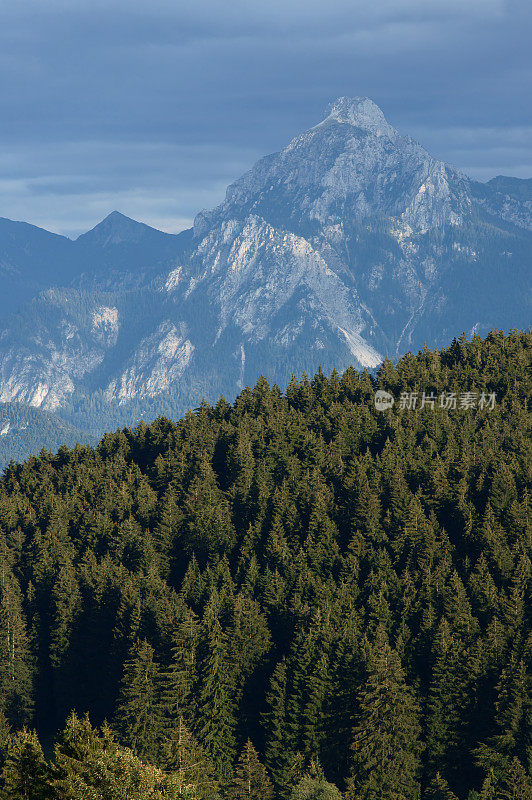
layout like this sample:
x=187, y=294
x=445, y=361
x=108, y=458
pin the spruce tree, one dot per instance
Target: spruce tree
x=438, y=789
x=5, y=738
x=386, y=741
x=191, y=770
x=250, y=781
x=277, y=751
x=78, y=749
x=138, y=715
x=177, y=699
x=516, y=784
x=513, y=728
x=215, y=721
x=25, y=775
x=16, y=668
x=310, y=788
x=447, y=696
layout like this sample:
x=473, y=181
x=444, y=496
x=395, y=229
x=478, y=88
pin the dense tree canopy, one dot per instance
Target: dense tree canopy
x=295, y=596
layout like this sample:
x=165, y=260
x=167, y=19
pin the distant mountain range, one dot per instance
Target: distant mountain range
x=349, y=245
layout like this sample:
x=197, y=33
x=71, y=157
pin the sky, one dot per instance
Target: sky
x=152, y=108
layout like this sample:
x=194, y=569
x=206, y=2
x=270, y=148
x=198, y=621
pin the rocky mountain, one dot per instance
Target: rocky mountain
x=350, y=244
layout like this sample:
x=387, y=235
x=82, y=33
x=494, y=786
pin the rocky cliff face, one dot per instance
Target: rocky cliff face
x=349, y=245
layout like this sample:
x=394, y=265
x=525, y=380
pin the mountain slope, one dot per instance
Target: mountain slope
x=24, y=431
x=30, y=260
x=349, y=245
x=347, y=588
x=509, y=198
x=118, y=252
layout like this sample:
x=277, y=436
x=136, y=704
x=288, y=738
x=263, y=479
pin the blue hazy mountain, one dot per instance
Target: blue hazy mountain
x=30, y=260
x=33, y=259
x=349, y=245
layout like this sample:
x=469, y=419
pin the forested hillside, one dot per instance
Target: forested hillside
x=296, y=596
x=24, y=431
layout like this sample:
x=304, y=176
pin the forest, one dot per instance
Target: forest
x=296, y=596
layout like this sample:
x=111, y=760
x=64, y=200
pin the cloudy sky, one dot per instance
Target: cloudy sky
x=153, y=107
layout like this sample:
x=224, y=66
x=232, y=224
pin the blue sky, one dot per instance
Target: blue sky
x=152, y=108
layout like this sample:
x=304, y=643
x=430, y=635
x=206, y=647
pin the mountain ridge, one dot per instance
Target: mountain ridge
x=349, y=245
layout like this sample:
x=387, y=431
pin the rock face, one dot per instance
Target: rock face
x=349, y=245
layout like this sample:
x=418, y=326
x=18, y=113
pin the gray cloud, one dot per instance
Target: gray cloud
x=154, y=108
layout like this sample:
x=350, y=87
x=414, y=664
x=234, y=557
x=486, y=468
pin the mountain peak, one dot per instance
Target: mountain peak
x=115, y=220
x=361, y=112
x=116, y=216
x=116, y=228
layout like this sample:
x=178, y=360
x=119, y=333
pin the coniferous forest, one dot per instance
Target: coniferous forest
x=294, y=597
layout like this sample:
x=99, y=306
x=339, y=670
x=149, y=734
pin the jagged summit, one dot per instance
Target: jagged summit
x=360, y=112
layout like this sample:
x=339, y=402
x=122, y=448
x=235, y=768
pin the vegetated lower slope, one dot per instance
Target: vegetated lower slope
x=24, y=431
x=276, y=598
